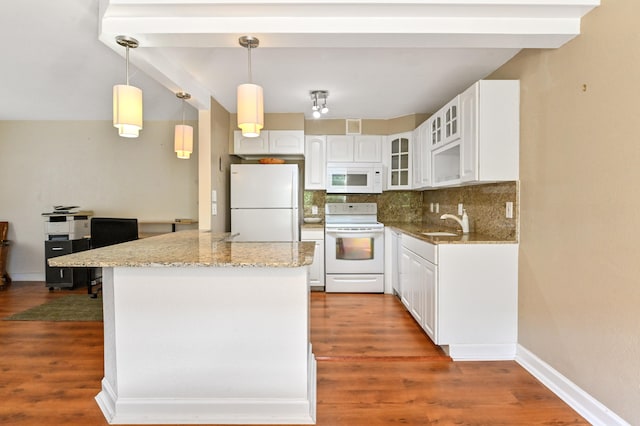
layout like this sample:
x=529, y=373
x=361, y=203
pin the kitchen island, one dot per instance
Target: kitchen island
x=199, y=329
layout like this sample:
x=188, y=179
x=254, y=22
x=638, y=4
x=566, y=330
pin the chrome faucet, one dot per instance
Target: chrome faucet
x=464, y=222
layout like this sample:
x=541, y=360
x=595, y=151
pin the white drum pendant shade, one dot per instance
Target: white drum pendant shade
x=127, y=110
x=250, y=109
x=183, y=141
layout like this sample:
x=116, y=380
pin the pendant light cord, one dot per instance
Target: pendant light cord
x=249, y=53
x=127, y=60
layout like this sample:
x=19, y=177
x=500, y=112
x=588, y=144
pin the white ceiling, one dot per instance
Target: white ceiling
x=378, y=59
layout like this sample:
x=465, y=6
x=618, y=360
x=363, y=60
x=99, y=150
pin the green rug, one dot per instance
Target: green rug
x=73, y=307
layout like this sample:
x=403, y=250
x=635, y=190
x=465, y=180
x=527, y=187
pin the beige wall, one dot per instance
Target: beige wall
x=579, y=306
x=86, y=163
x=221, y=133
x=369, y=127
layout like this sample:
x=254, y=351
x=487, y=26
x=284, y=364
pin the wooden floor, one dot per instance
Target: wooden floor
x=375, y=367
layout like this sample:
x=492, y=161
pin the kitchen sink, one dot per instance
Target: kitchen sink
x=440, y=234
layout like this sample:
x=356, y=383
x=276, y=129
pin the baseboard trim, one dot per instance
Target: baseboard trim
x=211, y=410
x=587, y=406
x=27, y=277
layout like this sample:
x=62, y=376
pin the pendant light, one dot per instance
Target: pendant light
x=250, y=101
x=127, y=100
x=183, y=141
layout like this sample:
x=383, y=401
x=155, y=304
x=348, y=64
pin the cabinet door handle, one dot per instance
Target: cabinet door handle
x=57, y=248
x=61, y=274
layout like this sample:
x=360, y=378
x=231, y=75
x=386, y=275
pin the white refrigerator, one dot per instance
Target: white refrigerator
x=264, y=202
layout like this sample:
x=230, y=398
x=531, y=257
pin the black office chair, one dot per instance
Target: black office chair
x=107, y=231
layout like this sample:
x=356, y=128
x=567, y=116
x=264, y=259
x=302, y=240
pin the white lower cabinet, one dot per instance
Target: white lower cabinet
x=392, y=260
x=464, y=296
x=418, y=283
x=316, y=270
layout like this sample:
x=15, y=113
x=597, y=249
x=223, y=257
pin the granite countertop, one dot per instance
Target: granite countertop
x=313, y=226
x=192, y=248
x=416, y=230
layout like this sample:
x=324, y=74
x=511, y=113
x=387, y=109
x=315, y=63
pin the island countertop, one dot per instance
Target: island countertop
x=192, y=248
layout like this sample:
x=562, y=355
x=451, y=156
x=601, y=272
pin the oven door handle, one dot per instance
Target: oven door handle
x=346, y=233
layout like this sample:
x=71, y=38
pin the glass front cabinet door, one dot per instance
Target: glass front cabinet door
x=399, y=176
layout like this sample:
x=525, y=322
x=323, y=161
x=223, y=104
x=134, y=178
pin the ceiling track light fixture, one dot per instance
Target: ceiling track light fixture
x=319, y=106
x=183, y=140
x=127, y=100
x=250, y=98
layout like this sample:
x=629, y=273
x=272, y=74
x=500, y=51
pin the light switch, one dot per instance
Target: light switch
x=214, y=196
x=437, y=207
x=431, y=207
x=214, y=209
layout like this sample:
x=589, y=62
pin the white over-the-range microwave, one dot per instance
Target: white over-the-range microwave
x=354, y=178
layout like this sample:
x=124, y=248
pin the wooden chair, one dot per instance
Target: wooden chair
x=4, y=252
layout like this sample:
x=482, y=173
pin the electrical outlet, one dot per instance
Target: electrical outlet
x=431, y=207
x=314, y=209
x=460, y=208
x=214, y=196
x=437, y=207
x=509, y=210
x=214, y=209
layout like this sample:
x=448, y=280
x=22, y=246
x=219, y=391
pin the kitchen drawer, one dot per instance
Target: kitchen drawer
x=57, y=248
x=423, y=249
x=312, y=234
x=65, y=277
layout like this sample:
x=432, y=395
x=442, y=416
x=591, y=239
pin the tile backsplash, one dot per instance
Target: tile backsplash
x=393, y=206
x=485, y=206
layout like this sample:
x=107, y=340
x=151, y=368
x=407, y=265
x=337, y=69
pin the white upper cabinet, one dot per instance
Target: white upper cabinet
x=315, y=162
x=286, y=142
x=421, y=154
x=490, y=112
x=451, y=121
x=257, y=145
x=339, y=148
x=486, y=148
x=359, y=149
x=367, y=149
x=435, y=130
x=399, y=161
x=272, y=142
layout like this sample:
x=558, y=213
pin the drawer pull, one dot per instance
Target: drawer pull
x=57, y=248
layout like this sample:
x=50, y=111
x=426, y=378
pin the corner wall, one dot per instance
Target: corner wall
x=221, y=134
x=579, y=274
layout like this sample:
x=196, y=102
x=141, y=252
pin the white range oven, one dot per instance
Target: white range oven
x=354, y=248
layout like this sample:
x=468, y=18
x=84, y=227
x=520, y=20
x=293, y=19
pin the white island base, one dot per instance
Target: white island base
x=199, y=345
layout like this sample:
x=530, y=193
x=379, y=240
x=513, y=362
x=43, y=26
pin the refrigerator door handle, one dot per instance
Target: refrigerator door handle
x=294, y=203
x=294, y=190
